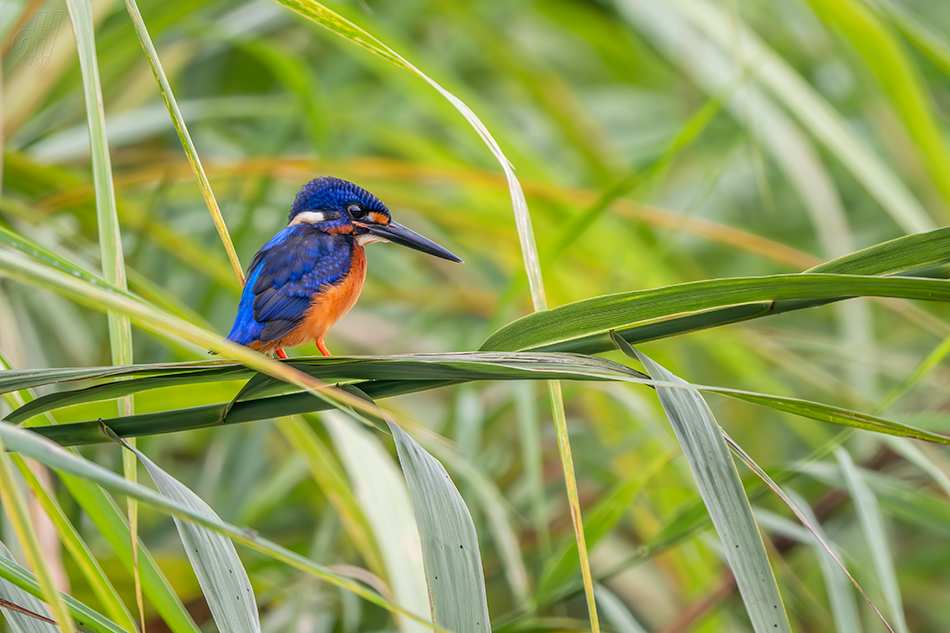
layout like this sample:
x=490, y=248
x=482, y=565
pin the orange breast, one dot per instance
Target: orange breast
x=329, y=306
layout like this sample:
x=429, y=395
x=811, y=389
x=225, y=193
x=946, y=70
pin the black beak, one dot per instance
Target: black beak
x=395, y=232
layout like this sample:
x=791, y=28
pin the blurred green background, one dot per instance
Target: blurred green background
x=657, y=143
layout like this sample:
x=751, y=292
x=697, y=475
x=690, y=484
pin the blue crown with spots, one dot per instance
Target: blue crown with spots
x=333, y=194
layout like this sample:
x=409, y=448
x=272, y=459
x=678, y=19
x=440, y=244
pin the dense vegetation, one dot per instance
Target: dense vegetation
x=735, y=144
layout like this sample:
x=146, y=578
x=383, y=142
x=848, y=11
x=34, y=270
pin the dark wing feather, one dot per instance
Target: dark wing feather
x=294, y=266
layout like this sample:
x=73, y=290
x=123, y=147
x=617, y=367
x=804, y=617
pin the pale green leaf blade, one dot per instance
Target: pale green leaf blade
x=721, y=489
x=83, y=615
x=872, y=524
x=21, y=622
x=615, y=612
x=844, y=608
x=642, y=314
x=222, y=576
x=385, y=501
x=450, y=551
x=33, y=445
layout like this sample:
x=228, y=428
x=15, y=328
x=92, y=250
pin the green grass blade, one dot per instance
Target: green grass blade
x=110, y=239
x=83, y=615
x=179, y=122
x=805, y=520
x=872, y=524
x=222, y=576
x=582, y=325
x=463, y=366
x=98, y=581
x=18, y=379
x=385, y=502
x=899, y=78
x=453, y=566
x=22, y=622
x=330, y=477
x=16, y=510
x=270, y=407
x=73, y=466
x=908, y=254
x=114, y=527
x=721, y=489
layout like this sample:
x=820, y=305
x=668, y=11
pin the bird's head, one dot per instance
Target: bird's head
x=337, y=206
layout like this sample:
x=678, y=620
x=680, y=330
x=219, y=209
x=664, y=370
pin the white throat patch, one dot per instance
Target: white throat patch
x=307, y=217
x=369, y=238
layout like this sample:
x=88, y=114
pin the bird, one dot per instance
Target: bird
x=310, y=273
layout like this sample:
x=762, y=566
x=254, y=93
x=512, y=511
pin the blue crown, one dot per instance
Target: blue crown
x=332, y=194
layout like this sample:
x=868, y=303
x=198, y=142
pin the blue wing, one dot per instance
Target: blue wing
x=283, y=277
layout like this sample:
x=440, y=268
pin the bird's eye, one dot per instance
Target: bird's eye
x=356, y=211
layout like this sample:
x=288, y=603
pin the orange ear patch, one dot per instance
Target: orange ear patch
x=343, y=229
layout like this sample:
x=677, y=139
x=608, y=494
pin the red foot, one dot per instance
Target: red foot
x=280, y=353
x=323, y=348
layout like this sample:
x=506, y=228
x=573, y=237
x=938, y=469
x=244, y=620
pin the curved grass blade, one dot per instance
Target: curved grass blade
x=844, y=609
x=18, y=379
x=190, y=151
x=83, y=615
x=805, y=520
x=110, y=240
x=16, y=510
x=721, y=489
x=29, y=443
x=269, y=408
x=35, y=619
x=222, y=576
x=460, y=366
x=453, y=566
x=902, y=255
x=385, y=502
x=872, y=524
x=108, y=391
x=650, y=314
x=78, y=549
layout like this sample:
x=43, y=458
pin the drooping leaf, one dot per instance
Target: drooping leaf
x=450, y=551
x=721, y=489
x=222, y=576
x=29, y=443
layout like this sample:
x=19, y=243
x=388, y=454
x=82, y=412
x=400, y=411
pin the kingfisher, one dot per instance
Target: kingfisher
x=310, y=274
